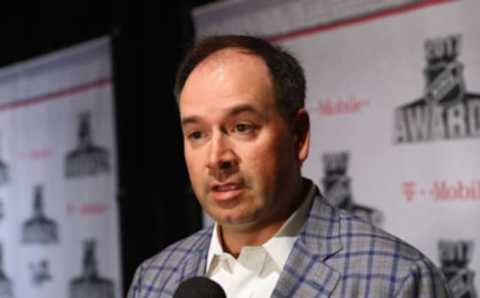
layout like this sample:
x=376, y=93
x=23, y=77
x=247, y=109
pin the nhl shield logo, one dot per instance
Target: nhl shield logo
x=445, y=84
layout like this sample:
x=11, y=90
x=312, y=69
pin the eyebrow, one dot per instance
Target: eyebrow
x=240, y=109
x=244, y=108
x=190, y=120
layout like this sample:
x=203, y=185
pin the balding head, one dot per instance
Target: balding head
x=286, y=74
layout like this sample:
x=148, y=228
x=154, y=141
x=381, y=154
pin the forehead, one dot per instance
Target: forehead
x=234, y=56
x=227, y=77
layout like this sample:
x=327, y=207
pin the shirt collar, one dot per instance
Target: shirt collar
x=280, y=245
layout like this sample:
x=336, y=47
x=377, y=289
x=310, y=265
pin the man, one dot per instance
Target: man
x=246, y=135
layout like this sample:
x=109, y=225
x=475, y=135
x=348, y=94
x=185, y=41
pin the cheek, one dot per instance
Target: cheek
x=194, y=167
x=194, y=159
x=190, y=162
x=272, y=163
x=262, y=165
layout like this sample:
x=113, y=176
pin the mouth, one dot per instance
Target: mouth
x=226, y=191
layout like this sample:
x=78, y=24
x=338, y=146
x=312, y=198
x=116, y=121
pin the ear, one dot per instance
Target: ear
x=301, y=131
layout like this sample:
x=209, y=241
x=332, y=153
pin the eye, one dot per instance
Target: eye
x=195, y=135
x=243, y=127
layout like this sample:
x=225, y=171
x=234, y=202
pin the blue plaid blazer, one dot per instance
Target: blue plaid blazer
x=336, y=255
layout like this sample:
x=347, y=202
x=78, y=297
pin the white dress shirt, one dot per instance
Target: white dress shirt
x=255, y=272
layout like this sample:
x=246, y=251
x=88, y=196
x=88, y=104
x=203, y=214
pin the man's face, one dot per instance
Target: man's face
x=241, y=154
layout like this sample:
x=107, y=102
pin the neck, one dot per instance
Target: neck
x=233, y=239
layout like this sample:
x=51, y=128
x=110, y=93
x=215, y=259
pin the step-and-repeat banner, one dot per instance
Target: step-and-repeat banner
x=59, y=234
x=394, y=99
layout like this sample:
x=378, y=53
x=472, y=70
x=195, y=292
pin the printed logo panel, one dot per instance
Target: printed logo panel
x=455, y=257
x=337, y=187
x=446, y=110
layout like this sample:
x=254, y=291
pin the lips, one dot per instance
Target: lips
x=226, y=191
x=225, y=187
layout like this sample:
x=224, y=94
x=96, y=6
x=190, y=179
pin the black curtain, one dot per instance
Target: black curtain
x=157, y=208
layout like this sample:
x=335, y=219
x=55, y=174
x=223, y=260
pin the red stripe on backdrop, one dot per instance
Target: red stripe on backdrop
x=355, y=20
x=20, y=103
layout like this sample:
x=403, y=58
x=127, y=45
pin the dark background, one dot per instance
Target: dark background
x=149, y=39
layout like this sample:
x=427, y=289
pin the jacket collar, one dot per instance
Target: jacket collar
x=306, y=270
x=195, y=264
x=306, y=273
x=321, y=232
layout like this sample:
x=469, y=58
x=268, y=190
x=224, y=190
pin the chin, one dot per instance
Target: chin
x=237, y=214
x=237, y=220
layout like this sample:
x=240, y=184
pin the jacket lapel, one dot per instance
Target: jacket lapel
x=195, y=264
x=306, y=273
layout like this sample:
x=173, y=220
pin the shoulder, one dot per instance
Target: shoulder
x=356, y=239
x=179, y=250
x=154, y=273
x=380, y=258
x=365, y=239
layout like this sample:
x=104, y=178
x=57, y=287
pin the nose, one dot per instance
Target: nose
x=222, y=160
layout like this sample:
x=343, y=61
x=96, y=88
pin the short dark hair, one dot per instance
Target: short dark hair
x=286, y=73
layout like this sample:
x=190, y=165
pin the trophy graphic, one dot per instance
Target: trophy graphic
x=87, y=159
x=90, y=284
x=454, y=259
x=40, y=272
x=39, y=228
x=336, y=185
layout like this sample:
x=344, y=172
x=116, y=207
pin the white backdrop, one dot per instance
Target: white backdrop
x=394, y=99
x=59, y=232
